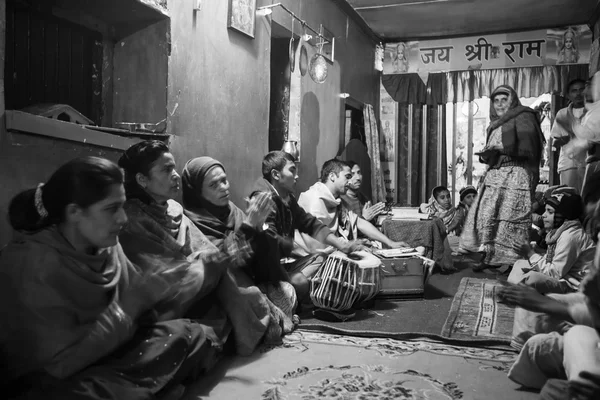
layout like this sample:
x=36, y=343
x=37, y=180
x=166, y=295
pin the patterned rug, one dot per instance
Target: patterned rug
x=314, y=365
x=476, y=314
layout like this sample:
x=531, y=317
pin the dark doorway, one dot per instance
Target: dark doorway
x=280, y=86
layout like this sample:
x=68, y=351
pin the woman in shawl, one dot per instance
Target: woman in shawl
x=77, y=314
x=500, y=218
x=158, y=234
x=206, y=202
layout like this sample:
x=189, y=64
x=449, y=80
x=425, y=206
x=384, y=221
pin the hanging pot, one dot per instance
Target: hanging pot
x=291, y=147
x=303, y=61
x=318, y=68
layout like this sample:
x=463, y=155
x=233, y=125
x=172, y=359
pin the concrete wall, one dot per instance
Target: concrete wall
x=139, y=76
x=218, y=101
x=30, y=159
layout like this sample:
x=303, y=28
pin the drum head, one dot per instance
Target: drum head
x=363, y=259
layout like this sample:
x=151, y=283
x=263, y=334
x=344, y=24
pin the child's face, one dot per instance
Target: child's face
x=548, y=218
x=469, y=199
x=444, y=199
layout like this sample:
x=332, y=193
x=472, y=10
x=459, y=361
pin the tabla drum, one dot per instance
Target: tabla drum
x=345, y=280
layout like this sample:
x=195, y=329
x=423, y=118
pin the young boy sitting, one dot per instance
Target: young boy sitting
x=440, y=206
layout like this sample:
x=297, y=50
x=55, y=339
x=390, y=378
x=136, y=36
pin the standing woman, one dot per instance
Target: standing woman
x=76, y=321
x=500, y=217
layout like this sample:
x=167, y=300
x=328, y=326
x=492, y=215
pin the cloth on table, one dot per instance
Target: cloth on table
x=430, y=234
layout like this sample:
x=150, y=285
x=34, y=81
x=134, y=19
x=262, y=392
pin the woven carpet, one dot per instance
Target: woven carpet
x=314, y=365
x=476, y=315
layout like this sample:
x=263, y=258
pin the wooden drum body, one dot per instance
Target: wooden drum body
x=343, y=281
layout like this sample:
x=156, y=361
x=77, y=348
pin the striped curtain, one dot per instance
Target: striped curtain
x=372, y=139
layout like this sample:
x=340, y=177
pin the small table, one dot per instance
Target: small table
x=429, y=233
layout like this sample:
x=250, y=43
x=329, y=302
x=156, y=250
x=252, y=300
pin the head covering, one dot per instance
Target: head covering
x=513, y=100
x=434, y=208
x=566, y=202
x=522, y=135
x=192, y=177
x=467, y=190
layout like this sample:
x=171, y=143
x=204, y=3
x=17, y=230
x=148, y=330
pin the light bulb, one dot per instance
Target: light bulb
x=264, y=11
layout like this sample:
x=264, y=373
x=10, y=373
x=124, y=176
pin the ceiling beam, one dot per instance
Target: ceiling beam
x=355, y=16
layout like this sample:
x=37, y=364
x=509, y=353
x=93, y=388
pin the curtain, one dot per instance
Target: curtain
x=422, y=160
x=459, y=86
x=372, y=139
x=405, y=88
x=527, y=81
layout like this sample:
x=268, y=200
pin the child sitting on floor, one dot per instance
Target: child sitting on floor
x=569, y=252
x=440, y=206
x=467, y=197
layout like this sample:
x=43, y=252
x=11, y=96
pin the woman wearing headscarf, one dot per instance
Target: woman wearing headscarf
x=500, y=218
x=207, y=205
x=77, y=315
x=159, y=234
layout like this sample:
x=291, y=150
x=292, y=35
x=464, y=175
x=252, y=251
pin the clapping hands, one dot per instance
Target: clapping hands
x=523, y=249
x=523, y=296
x=259, y=208
x=371, y=211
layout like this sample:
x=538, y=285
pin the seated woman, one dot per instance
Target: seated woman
x=206, y=202
x=158, y=234
x=569, y=252
x=541, y=321
x=75, y=309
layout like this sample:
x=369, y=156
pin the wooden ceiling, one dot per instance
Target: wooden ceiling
x=419, y=19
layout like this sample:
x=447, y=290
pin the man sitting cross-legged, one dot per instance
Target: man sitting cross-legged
x=279, y=178
x=323, y=201
x=358, y=202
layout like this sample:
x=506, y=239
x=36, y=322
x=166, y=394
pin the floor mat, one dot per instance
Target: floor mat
x=312, y=365
x=476, y=314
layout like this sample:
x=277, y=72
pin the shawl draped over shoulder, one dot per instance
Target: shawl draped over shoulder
x=522, y=137
x=163, y=232
x=224, y=226
x=53, y=297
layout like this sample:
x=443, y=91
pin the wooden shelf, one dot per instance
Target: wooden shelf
x=32, y=124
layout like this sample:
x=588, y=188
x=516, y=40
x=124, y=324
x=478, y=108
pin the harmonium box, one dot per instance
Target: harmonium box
x=403, y=276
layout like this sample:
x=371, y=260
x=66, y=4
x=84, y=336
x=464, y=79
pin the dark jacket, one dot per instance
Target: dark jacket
x=286, y=218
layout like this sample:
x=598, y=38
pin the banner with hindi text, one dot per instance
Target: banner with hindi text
x=568, y=45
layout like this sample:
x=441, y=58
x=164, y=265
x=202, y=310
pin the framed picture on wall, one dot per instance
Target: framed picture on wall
x=242, y=16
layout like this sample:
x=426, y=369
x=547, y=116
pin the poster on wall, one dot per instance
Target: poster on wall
x=387, y=143
x=567, y=45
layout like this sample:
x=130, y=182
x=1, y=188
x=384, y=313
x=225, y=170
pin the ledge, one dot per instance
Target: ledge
x=43, y=126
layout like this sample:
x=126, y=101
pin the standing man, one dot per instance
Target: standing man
x=571, y=162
